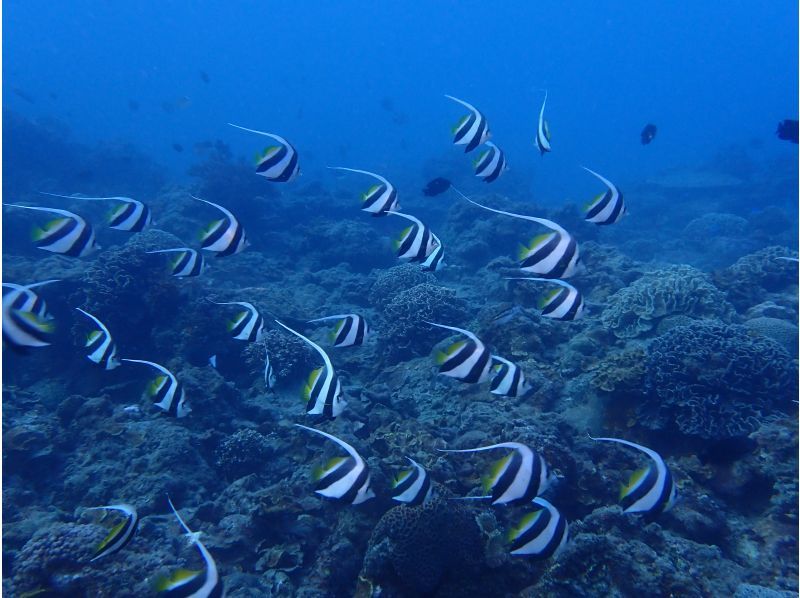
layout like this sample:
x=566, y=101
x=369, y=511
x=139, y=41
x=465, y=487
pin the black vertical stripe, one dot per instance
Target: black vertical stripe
x=647, y=484
x=508, y=476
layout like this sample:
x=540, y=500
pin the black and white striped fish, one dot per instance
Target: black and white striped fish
x=323, y=391
x=491, y=163
x=435, y=260
x=131, y=215
x=471, y=130
x=565, y=304
x=165, y=391
x=509, y=379
x=23, y=328
x=540, y=534
x=206, y=583
x=188, y=262
x=280, y=163
x=342, y=478
x=102, y=349
x=248, y=325
x=351, y=330
x=378, y=199
x=415, y=243
x=517, y=478
x=269, y=371
x=225, y=236
x=608, y=207
x=121, y=534
x=543, y=131
x=69, y=235
x=466, y=360
x=551, y=255
x=412, y=486
x=27, y=300
x=650, y=490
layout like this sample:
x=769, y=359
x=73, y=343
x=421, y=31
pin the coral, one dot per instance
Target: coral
x=289, y=356
x=714, y=225
x=782, y=332
x=623, y=371
x=395, y=280
x=748, y=281
x=242, y=453
x=714, y=381
x=680, y=289
x=422, y=548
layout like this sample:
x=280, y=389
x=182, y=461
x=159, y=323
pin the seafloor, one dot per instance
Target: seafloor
x=688, y=346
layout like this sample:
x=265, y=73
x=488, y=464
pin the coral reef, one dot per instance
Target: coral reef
x=754, y=276
x=395, y=280
x=782, y=332
x=242, y=453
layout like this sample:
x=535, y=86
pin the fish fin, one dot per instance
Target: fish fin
x=267, y=153
x=111, y=535
x=312, y=380
x=442, y=356
x=403, y=234
x=206, y=232
x=41, y=232
x=400, y=477
x=490, y=479
x=34, y=320
x=178, y=578
x=370, y=191
x=636, y=477
x=527, y=520
x=459, y=124
x=237, y=320
x=92, y=336
x=545, y=299
x=525, y=251
x=593, y=202
x=116, y=212
x=152, y=389
x=320, y=472
x=477, y=160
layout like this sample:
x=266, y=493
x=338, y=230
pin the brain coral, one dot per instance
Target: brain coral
x=678, y=289
x=753, y=276
x=715, y=381
x=396, y=280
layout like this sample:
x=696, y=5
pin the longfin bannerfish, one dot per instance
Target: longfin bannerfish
x=415, y=242
x=564, y=304
x=412, y=486
x=351, y=330
x=69, y=235
x=27, y=300
x=491, y=163
x=188, y=262
x=23, y=328
x=278, y=164
x=540, y=534
x=471, y=130
x=608, y=207
x=468, y=361
x=347, y=479
x=192, y=584
x=552, y=255
x=788, y=259
x=121, y=534
x=651, y=491
x=269, y=372
x=435, y=260
x=517, y=478
x=323, y=391
x=509, y=379
x=131, y=215
x=247, y=325
x=102, y=348
x=166, y=392
x=543, y=131
x=379, y=199
x=225, y=236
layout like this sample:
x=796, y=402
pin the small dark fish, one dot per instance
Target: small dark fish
x=204, y=76
x=133, y=105
x=436, y=187
x=648, y=133
x=23, y=94
x=53, y=96
x=787, y=130
x=177, y=147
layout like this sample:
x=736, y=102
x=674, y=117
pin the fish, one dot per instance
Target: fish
x=167, y=393
x=278, y=163
x=565, y=304
x=69, y=235
x=435, y=260
x=323, y=391
x=651, y=490
x=466, y=360
x=471, y=130
x=351, y=330
x=788, y=130
x=379, y=199
x=194, y=584
x=225, y=236
x=412, y=486
x=550, y=255
x=188, y=262
x=27, y=300
x=491, y=163
x=608, y=207
x=436, y=186
x=102, y=349
x=543, y=131
x=212, y=361
x=177, y=147
x=517, y=478
x=269, y=371
x=541, y=534
x=121, y=534
x=204, y=76
x=788, y=259
x=648, y=133
x=415, y=242
x=343, y=478
x=509, y=379
x=23, y=328
x=132, y=215
x=248, y=325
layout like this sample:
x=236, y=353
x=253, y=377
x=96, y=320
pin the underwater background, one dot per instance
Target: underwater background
x=687, y=343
